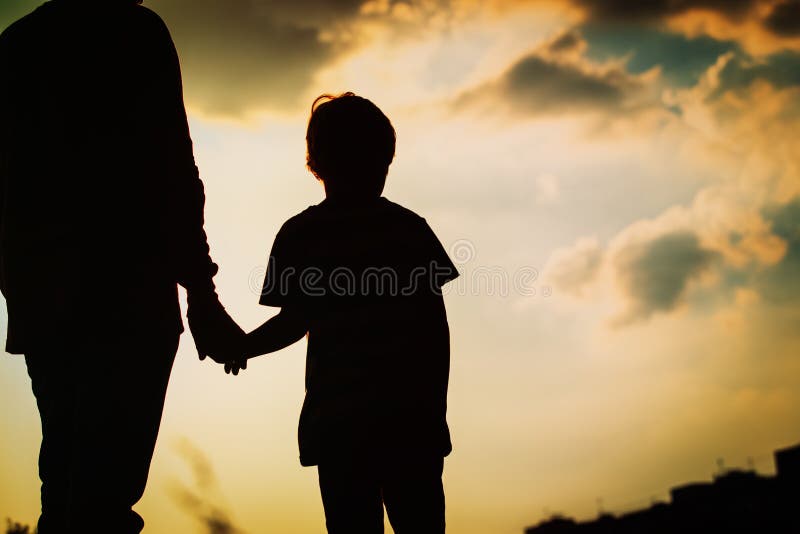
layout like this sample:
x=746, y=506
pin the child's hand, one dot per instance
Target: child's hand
x=238, y=361
x=235, y=356
x=235, y=365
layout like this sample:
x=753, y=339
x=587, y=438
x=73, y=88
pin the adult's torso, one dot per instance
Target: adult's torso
x=82, y=245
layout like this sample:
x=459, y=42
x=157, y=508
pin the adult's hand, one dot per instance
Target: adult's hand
x=215, y=333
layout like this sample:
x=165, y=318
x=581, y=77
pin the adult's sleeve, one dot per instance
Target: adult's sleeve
x=185, y=197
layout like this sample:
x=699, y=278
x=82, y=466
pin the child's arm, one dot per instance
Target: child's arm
x=279, y=332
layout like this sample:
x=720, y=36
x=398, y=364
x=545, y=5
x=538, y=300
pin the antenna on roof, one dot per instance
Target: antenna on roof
x=751, y=463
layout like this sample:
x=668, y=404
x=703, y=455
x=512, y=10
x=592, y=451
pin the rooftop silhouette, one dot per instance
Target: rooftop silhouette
x=735, y=501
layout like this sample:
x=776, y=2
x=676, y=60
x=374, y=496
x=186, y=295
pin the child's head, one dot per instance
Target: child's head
x=350, y=145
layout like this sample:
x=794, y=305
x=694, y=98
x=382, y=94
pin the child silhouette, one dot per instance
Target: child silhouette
x=361, y=277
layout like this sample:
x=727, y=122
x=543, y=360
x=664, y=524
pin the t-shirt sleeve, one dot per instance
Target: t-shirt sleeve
x=442, y=269
x=280, y=282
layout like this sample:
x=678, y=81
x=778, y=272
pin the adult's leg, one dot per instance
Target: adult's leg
x=414, y=495
x=118, y=408
x=55, y=399
x=351, y=497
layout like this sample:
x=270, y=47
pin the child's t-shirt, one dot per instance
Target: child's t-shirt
x=368, y=280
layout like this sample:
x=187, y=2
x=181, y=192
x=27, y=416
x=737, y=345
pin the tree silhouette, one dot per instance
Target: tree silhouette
x=12, y=527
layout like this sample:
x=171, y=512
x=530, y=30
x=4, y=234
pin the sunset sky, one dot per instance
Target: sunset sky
x=619, y=184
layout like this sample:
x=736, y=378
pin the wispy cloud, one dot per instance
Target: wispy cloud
x=573, y=269
x=202, y=499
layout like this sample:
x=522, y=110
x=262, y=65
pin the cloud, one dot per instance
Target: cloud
x=784, y=19
x=244, y=55
x=780, y=70
x=556, y=77
x=540, y=83
x=738, y=240
x=654, y=275
x=573, y=269
x=654, y=9
x=203, y=500
x=241, y=57
x=759, y=26
x=682, y=60
x=755, y=32
x=567, y=41
x=780, y=282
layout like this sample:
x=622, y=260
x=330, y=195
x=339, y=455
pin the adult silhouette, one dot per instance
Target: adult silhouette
x=101, y=217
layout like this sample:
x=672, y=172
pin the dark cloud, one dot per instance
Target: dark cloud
x=781, y=70
x=240, y=56
x=781, y=283
x=654, y=275
x=540, y=84
x=553, y=78
x=627, y=10
x=784, y=19
x=200, y=501
x=567, y=41
x=312, y=12
x=244, y=55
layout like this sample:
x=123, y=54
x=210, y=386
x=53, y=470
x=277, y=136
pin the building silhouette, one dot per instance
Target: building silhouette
x=736, y=501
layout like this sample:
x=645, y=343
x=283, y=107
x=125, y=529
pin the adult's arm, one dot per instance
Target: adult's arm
x=6, y=121
x=184, y=190
x=212, y=328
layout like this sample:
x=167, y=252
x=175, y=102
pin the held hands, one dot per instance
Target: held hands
x=217, y=335
x=235, y=365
